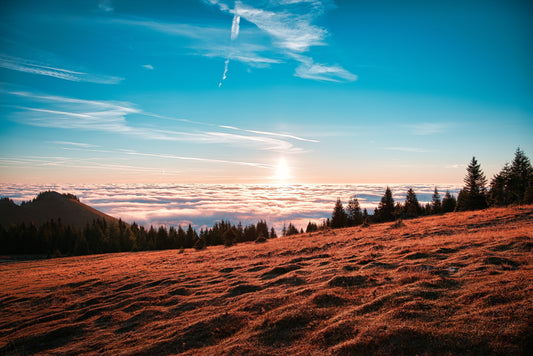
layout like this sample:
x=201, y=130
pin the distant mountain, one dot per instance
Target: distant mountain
x=50, y=205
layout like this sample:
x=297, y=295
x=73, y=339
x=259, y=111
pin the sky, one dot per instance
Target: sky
x=266, y=91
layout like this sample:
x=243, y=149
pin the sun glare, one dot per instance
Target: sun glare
x=282, y=171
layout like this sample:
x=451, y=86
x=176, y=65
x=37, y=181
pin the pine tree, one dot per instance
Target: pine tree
x=229, y=237
x=498, y=194
x=510, y=185
x=355, y=216
x=339, y=217
x=448, y=203
x=273, y=234
x=385, y=209
x=436, y=204
x=473, y=195
x=311, y=227
x=262, y=228
x=521, y=173
x=411, y=207
x=292, y=230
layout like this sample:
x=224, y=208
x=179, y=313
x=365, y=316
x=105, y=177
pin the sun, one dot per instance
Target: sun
x=282, y=171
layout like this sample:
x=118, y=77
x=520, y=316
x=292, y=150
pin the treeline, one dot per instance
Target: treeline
x=512, y=185
x=55, y=239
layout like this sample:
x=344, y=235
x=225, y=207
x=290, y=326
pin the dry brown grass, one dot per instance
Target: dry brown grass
x=453, y=284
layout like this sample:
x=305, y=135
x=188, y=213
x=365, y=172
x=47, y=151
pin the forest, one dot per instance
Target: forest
x=512, y=185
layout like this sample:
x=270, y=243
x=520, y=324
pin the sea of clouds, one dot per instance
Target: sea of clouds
x=201, y=205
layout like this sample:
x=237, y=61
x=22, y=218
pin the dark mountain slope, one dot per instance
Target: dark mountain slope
x=50, y=205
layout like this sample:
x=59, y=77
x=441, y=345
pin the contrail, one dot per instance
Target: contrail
x=235, y=25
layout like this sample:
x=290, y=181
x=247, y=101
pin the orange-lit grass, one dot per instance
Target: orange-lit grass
x=458, y=283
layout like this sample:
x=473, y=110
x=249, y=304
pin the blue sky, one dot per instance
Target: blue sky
x=271, y=91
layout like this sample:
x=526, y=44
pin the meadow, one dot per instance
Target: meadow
x=459, y=283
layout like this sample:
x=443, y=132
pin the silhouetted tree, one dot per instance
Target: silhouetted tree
x=311, y=227
x=339, y=217
x=291, y=230
x=510, y=185
x=273, y=234
x=229, y=237
x=473, y=195
x=411, y=207
x=436, y=204
x=262, y=229
x=355, y=216
x=385, y=210
x=448, y=203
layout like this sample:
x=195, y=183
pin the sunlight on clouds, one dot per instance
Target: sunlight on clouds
x=282, y=171
x=204, y=204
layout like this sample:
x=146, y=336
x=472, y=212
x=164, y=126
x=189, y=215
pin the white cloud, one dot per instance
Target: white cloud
x=33, y=67
x=291, y=31
x=428, y=128
x=148, y=66
x=309, y=70
x=283, y=30
x=110, y=116
x=75, y=144
x=210, y=160
x=270, y=133
x=406, y=149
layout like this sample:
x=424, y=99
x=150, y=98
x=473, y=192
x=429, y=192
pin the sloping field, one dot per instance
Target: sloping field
x=458, y=283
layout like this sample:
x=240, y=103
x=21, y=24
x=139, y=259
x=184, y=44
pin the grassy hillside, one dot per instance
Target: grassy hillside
x=454, y=284
x=50, y=205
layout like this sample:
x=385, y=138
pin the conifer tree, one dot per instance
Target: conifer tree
x=291, y=230
x=521, y=173
x=229, y=237
x=436, y=204
x=448, y=203
x=339, y=217
x=498, y=194
x=385, y=209
x=311, y=227
x=355, y=216
x=510, y=185
x=473, y=195
x=411, y=207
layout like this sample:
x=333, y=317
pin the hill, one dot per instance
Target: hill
x=50, y=205
x=459, y=283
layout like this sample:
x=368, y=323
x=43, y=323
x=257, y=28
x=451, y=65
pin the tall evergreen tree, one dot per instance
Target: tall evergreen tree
x=311, y=227
x=411, y=207
x=510, y=185
x=473, y=194
x=355, y=216
x=448, y=203
x=498, y=194
x=521, y=173
x=339, y=217
x=385, y=209
x=436, y=204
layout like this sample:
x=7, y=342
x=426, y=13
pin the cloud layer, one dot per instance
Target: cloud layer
x=203, y=204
